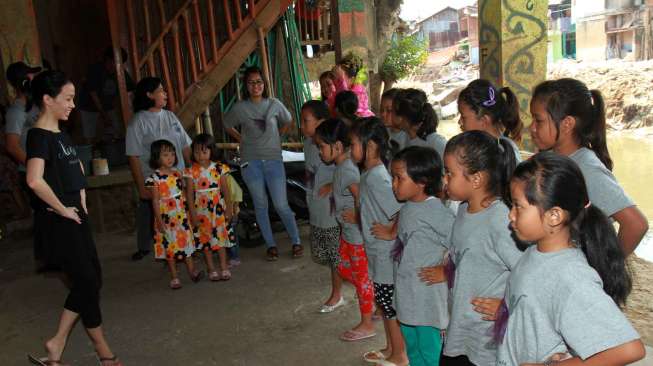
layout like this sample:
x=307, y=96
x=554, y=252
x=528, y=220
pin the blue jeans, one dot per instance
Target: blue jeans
x=258, y=175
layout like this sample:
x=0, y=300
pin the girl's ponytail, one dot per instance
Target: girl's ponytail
x=429, y=121
x=554, y=180
x=510, y=115
x=25, y=88
x=596, y=237
x=596, y=139
x=506, y=166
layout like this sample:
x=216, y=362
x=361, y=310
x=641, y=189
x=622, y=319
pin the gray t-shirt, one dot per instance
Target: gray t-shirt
x=259, y=123
x=484, y=253
x=399, y=136
x=318, y=174
x=345, y=175
x=557, y=304
x=424, y=229
x=378, y=205
x=146, y=127
x=514, y=147
x=18, y=122
x=434, y=141
x=602, y=187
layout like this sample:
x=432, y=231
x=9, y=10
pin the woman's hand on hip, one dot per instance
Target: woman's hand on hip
x=69, y=213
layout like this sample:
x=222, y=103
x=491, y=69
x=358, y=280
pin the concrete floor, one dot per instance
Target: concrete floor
x=266, y=315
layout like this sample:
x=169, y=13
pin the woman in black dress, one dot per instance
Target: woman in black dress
x=62, y=233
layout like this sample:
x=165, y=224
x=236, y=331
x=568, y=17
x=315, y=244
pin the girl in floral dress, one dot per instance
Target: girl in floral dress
x=207, y=187
x=173, y=239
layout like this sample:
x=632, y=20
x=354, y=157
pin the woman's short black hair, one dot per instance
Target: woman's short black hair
x=204, y=141
x=423, y=166
x=246, y=74
x=146, y=85
x=157, y=148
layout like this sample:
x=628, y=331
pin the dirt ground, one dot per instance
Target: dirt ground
x=266, y=315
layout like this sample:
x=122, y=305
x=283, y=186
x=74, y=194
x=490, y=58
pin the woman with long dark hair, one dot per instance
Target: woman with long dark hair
x=62, y=233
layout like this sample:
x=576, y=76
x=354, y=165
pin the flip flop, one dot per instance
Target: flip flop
x=43, y=361
x=354, y=335
x=373, y=356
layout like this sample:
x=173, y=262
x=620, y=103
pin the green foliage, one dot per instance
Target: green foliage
x=405, y=57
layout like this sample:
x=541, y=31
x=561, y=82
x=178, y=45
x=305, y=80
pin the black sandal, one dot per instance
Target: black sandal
x=272, y=254
x=297, y=251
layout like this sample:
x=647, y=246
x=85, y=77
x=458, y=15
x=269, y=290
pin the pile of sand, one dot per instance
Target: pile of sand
x=625, y=85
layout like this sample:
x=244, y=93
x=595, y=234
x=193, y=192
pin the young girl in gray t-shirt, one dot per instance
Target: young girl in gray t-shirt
x=569, y=119
x=422, y=241
x=332, y=137
x=477, y=169
x=563, y=296
x=370, y=149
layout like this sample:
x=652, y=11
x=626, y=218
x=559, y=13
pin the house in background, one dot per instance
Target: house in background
x=609, y=29
x=441, y=29
x=468, y=26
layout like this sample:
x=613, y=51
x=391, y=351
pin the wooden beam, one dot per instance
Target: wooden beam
x=114, y=26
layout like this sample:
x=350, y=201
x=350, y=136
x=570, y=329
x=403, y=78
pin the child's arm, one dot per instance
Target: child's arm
x=487, y=306
x=190, y=198
x=433, y=275
x=224, y=190
x=624, y=354
x=351, y=216
x=325, y=190
x=158, y=223
x=633, y=225
x=385, y=232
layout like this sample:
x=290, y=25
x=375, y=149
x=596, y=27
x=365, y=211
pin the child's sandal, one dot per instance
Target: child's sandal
x=225, y=275
x=214, y=276
x=197, y=276
x=175, y=284
x=114, y=361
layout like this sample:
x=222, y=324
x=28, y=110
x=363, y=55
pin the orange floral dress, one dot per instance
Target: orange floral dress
x=212, y=231
x=176, y=241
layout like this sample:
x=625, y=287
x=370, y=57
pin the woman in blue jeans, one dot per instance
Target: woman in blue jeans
x=262, y=120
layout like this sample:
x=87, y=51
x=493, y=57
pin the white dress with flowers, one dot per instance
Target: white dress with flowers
x=176, y=241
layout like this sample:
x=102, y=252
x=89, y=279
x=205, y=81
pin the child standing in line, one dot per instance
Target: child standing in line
x=569, y=119
x=397, y=135
x=563, y=296
x=325, y=232
x=496, y=111
x=173, y=240
x=206, y=189
x=332, y=137
x=370, y=148
x=417, y=117
x=483, y=252
x=422, y=241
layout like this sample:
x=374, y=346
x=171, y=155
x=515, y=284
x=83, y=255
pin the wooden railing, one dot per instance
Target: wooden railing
x=315, y=22
x=181, y=41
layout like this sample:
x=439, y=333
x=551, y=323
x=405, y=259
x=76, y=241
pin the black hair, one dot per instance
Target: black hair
x=333, y=130
x=48, y=83
x=146, y=85
x=390, y=94
x=326, y=75
x=347, y=105
x=156, y=148
x=501, y=105
x=412, y=104
x=109, y=55
x=318, y=108
x=423, y=166
x=554, y=180
x=204, y=141
x=372, y=129
x=246, y=74
x=478, y=151
x=571, y=97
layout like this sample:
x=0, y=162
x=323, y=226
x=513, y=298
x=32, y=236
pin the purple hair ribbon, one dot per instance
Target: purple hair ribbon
x=491, y=98
x=450, y=270
x=501, y=324
x=397, y=250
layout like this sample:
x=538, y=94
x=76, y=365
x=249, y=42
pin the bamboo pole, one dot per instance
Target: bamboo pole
x=264, y=61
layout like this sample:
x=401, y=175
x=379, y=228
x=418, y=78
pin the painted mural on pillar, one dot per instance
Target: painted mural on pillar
x=353, y=25
x=490, y=40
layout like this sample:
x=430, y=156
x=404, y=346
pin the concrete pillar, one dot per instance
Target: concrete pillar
x=19, y=41
x=513, y=46
x=356, y=28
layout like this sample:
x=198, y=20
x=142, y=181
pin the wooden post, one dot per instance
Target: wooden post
x=191, y=49
x=227, y=16
x=212, y=33
x=178, y=60
x=206, y=119
x=264, y=61
x=117, y=59
x=200, y=33
x=132, y=39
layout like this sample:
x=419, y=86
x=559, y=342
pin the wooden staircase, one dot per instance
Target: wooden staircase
x=196, y=50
